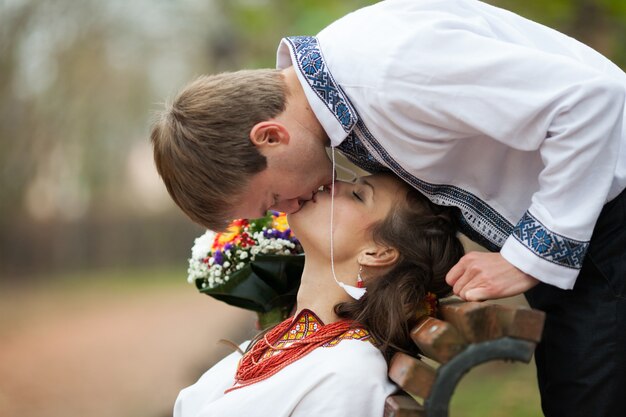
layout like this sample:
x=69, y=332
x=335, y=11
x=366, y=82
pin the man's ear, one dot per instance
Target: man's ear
x=269, y=133
x=378, y=256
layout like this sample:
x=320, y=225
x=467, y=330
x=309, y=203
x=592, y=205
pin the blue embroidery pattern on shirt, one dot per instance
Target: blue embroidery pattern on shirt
x=548, y=245
x=473, y=235
x=311, y=64
x=358, y=154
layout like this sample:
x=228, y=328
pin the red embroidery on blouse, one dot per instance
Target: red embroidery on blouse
x=307, y=323
x=288, y=342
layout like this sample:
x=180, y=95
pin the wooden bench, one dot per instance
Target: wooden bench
x=465, y=335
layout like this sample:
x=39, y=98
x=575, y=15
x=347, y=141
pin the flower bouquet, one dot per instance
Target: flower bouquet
x=256, y=265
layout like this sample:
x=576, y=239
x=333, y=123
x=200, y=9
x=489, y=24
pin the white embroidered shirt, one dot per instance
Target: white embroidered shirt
x=518, y=125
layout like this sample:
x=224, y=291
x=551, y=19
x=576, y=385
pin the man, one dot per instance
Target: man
x=518, y=125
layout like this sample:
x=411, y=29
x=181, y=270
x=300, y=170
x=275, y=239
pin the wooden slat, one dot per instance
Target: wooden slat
x=462, y=324
x=521, y=322
x=437, y=339
x=402, y=406
x=476, y=321
x=411, y=374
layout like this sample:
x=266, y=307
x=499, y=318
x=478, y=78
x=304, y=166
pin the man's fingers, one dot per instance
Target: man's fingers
x=464, y=281
x=476, y=294
x=484, y=276
x=455, y=273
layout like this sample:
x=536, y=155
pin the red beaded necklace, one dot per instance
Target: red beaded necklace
x=254, y=367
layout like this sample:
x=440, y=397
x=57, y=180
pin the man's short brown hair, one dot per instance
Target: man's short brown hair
x=201, y=141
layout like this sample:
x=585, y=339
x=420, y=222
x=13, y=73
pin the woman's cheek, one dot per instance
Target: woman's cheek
x=350, y=226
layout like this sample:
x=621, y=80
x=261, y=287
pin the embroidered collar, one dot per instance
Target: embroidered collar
x=274, y=351
x=307, y=323
x=329, y=102
x=304, y=324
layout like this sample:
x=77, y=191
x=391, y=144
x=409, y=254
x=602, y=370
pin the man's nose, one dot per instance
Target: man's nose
x=287, y=206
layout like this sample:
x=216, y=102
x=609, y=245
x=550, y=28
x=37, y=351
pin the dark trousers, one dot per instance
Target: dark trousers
x=581, y=361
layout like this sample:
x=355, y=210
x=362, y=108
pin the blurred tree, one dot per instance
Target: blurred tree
x=77, y=82
x=600, y=24
x=262, y=23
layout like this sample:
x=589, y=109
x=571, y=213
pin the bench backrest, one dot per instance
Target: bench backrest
x=465, y=335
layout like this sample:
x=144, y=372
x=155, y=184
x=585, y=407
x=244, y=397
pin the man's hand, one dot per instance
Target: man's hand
x=483, y=276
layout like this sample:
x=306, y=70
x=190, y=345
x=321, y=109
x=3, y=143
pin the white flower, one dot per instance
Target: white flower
x=226, y=264
x=197, y=270
x=243, y=255
x=202, y=245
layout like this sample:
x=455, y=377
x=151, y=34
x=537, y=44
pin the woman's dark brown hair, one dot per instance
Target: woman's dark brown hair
x=425, y=235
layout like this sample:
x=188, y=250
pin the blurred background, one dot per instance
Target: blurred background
x=96, y=317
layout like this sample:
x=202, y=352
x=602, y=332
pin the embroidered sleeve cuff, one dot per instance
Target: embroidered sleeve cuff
x=530, y=261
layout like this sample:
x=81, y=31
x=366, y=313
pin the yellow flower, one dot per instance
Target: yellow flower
x=280, y=222
x=230, y=235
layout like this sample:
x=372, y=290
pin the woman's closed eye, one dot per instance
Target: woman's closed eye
x=357, y=196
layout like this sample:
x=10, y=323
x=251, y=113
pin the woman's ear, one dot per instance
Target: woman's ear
x=269, y=133
x=378, y=256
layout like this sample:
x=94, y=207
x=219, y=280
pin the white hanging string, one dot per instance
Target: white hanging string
x=352, y=291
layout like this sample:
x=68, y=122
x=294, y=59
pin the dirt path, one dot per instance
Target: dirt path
x=108, y=355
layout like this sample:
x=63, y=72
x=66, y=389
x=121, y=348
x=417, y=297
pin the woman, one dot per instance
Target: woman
x=331, y=359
